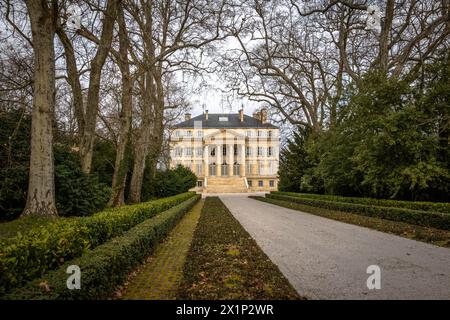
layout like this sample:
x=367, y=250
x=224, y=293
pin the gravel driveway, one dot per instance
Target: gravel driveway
x=327, y=259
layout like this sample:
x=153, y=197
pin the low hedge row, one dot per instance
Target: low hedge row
x=421, y=218
x=44, y=248
x=412, y=205
x=106, y=266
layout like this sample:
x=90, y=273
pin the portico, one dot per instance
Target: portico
x=235, y=153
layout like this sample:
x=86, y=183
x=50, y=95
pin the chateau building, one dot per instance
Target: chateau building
x=228, y=152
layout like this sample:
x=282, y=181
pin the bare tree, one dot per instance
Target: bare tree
x=41, y=187
x=298, y=56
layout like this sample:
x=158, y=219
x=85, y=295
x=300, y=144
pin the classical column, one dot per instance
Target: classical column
x=219, y=160
x=206, y=161
x=230, y=154
x=242, y=162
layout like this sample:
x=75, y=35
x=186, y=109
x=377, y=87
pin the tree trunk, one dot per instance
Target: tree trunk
x=73, y=78
x=88, y=135
x=41, y=185
x=124, y=143
x=143, y=140
x=384, y=37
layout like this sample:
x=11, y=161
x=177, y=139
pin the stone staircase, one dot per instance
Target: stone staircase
x=225, y=185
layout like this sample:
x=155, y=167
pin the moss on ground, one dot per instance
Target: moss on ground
x=160, y=276
x=425, y=234
x=224, y=262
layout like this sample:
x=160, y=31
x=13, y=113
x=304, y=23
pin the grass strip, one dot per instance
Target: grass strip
x=420, y=218
x=224, y=262
x=430, y=235
x=159, y=277
x=442, y=207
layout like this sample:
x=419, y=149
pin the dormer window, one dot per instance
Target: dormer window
x=223, y=119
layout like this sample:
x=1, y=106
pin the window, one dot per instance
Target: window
x=188, y=151
x=260, y=133
x=249, y=183
x=249, y=168
x=249, y=133
x=271, y=183
x=199, y=134
x=260, y=183
x=178, y=152
x=271, y=167
x=261, y=168
x=260, y=151
x=235, y=150
x=269, y=133
x=213, y=151
x=177, y=134
x=199, y=183
x=212, y=169
x=199, y=151
x=188, y=133
x=224, y=169
x=199, y=169
x=248, y=151
x=223, y=119
x=269, y=151
x=224, y=150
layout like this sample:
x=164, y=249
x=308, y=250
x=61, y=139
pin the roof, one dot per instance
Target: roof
x=233, y=122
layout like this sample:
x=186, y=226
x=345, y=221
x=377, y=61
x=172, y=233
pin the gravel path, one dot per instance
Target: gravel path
x=327, y=259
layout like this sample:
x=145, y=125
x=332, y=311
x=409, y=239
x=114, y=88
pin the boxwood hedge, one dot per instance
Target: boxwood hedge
x=413, y=205
x=106, y=266
x=44, y=248
x=421, y=218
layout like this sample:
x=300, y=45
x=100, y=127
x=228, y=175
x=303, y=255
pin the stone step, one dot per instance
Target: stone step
x=226, y=181
x=224, y=189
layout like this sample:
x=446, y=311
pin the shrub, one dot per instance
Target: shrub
x=27, y=256
x=107, y=266
x=413, y=205
x=421, y=218
x=173, y=181
x=77, y=193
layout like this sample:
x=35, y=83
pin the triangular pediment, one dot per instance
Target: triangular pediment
x=224, y=134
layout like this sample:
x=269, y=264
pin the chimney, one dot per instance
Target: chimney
x=241, y=115
x=187, y=116
x=263, y=115
x=206, y=114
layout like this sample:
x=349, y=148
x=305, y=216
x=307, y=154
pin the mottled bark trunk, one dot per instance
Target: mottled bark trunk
x=384, y=36
x=88, y=135
x=73, y=78
x=158, y=129
x=124, y=143
x=41, y=186
x=142, y=141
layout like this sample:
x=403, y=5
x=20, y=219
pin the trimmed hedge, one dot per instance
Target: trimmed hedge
x=421, y=218
x=44, y=248
x=442, y=207
x=108, y=265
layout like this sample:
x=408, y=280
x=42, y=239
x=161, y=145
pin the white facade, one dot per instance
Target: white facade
x=228, y=159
